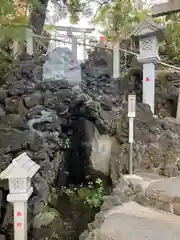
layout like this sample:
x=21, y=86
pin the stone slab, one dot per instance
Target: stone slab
x=135, y=222
x=144, y=179
x=166, y=190
x=156, y=191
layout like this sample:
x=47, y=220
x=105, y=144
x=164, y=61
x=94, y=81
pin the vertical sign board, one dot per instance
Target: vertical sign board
x=131, y=115
x=131, y=106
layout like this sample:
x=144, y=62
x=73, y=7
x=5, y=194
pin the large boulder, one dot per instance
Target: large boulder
x=132, y=221
x=100, y=148
x=61, y=64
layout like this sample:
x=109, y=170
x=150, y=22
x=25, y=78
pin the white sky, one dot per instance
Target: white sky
x=53, y=17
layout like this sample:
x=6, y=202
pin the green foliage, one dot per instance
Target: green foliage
x=74, y=9
x=52, y=200
x=172, y=34
x=13, y=26
x=91, y=195
x=10, y=20
x=65, y=143
x=12, y=23
x=118, y=18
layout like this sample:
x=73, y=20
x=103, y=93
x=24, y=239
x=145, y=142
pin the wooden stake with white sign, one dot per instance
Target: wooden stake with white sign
x=131, y=116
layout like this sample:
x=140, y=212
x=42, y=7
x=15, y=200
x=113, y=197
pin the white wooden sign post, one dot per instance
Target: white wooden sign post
x=19, y=174
x=131, y=116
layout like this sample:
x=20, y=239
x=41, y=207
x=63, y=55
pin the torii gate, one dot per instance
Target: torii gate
x=166, y=8
x=69, y=32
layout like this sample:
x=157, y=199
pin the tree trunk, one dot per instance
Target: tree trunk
x=38, y=16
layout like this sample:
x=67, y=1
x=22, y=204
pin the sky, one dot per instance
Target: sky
x=53, y=17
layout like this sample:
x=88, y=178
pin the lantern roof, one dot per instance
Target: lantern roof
x=149, y=28
x=21, y=167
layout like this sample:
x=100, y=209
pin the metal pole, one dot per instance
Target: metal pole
x=89, y=45
x=116, y=60
x=131, y=131
x=130, y=158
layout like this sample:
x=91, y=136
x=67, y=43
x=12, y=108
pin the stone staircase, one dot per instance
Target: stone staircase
x=152, y=215
x=156, y=191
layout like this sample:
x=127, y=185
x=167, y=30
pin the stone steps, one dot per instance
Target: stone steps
x=132, y=221
x=150, y=215
x=156, y=191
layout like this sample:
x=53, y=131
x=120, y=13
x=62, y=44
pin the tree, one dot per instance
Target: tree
x=172, y=45
x=74, y=8
x=13, y=25
x=38, y=16
x=10, y=20
x=118, y=18
x=172, y=35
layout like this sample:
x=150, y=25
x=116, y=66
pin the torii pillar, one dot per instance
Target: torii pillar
x=150, y=34
x=74, y=42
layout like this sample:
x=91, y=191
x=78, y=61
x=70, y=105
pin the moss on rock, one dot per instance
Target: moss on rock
x=48, y=224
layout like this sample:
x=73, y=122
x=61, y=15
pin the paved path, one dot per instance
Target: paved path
x=135, y=222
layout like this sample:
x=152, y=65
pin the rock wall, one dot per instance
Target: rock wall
x=167, y=87
x=32, y=118
x=51, y=122
x=65, y=129
x=155, y=148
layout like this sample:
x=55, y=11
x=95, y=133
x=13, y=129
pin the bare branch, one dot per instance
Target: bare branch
x=101, y=5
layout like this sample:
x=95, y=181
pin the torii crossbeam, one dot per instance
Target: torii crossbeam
x=166, y=8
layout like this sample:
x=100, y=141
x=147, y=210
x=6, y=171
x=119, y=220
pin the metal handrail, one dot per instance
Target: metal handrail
x=121, y=49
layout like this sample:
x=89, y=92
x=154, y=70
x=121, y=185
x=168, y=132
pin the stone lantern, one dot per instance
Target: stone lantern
x=19, y=173
x=150, y=34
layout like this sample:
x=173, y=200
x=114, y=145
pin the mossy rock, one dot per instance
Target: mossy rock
x=53, y=199
x=48, y=225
